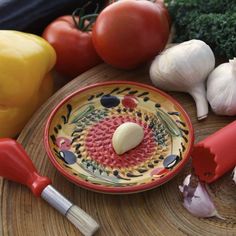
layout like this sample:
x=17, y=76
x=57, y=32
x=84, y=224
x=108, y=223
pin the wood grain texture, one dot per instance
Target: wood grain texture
x=155, y=212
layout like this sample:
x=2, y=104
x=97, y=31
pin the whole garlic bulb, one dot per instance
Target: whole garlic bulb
x=184, y=68
x=221, y=89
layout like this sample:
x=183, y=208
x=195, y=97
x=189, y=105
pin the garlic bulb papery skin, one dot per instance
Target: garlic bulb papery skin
x=221, y=89
x=234, y=175
x=184, y=68
x=197, y=200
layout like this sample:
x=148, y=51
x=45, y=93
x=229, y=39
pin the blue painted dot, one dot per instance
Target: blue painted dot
x=109, y=101
x=170, y=161
x=69, y=157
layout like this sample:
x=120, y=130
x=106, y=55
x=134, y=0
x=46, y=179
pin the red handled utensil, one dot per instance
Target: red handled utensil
x=17, y=166
x=216, y=154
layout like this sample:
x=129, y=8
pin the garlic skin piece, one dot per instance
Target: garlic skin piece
x=197, y=200
x=184, y=68
x=126, y=137
x=234, y=175
x=221, y=89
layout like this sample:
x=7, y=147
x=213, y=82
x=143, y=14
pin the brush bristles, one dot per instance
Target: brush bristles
x=85, y=223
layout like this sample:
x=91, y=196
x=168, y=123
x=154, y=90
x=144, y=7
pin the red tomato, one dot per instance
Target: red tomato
x=74, y=48
x=162, y=5
x=165, y=10
x=128, y=33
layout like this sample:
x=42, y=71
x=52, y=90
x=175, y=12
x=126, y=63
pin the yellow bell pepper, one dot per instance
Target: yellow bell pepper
x=25, y=81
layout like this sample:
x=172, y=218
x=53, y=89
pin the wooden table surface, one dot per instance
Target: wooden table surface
x=154, y=212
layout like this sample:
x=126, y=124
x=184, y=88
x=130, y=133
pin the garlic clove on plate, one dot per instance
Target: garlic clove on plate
x=126, y=137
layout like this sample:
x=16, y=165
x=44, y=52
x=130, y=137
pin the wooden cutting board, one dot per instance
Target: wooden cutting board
x=155, y=212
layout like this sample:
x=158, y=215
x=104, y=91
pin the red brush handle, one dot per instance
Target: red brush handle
x=16, y=165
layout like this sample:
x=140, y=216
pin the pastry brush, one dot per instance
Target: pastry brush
x=17, y=166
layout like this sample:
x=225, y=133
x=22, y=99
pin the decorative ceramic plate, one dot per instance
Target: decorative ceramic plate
x=78, y=137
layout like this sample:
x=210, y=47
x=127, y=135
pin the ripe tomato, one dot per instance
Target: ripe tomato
x=160, y=2
x=128, y=33
x=165, y=10
x=74, y=47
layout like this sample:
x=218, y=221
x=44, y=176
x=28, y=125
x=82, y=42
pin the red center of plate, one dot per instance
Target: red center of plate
x=99, y=143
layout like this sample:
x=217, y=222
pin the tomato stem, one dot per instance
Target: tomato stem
x=86, y=4
x=96, y=9
x=112, y=1
x=89, y=16
x=92, y=18
x=80, y=12
x=88, y=26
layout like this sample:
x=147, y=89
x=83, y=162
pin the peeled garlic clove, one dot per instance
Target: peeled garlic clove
x=126, y=137
x=197, y=200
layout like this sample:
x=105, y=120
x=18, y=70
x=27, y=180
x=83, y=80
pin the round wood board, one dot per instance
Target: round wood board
x=154, y=212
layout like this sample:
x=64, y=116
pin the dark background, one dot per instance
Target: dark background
x=34, y=15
